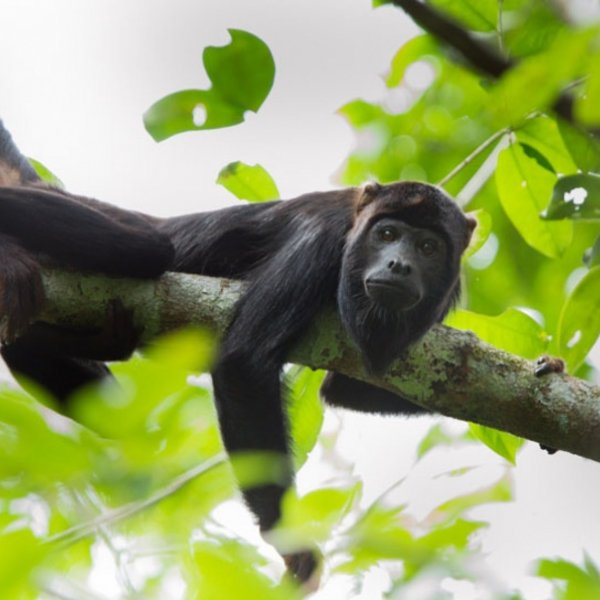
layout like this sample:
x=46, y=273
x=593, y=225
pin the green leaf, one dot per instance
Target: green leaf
x=587, y=106
x=575, y=197
x=579, y=322
x=592, y=255
x=436, y=436
x=581, y=584
x=305, y=411
x=481, y=232
x=313, y=516
x=583, y=147
x=248, y=182
x=504, y=444
x=46, y=174
x=513, y=330
x=413, y=50
x=229, y=570
x=523, y=186
x=535, y=82
x=242, y=75
x=542, y=134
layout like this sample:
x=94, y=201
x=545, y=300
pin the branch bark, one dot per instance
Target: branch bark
x=450, y=372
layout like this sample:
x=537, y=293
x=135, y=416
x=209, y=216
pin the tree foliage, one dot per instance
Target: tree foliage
x=498, y=102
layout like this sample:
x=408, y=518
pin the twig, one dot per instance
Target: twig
x=78, y=532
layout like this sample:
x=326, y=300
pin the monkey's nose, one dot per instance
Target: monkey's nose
x=399, y=268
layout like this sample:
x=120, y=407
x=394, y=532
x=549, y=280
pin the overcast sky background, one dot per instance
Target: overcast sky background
x=75, y=78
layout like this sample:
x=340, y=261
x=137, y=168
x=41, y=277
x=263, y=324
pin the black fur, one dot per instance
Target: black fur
x=296, y=255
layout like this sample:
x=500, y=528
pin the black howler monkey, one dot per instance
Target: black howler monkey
x=388, y=254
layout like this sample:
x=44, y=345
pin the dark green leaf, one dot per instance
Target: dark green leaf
x=575, y=197
x=248, y=182
x=242, y=75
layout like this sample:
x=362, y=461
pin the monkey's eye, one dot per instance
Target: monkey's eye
x=387, y=234
x=429, y=246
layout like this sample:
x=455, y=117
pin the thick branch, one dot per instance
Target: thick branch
x=450, y=371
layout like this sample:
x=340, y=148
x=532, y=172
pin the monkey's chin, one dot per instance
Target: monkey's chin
x=391, y=295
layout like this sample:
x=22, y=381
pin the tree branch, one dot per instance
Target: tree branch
x=449, y=371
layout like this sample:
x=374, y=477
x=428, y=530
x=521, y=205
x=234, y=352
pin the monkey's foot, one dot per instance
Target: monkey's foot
x=549, y=364
x=304, y=569
x=544, y=366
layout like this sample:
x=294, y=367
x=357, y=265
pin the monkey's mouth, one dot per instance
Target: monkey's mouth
x=393, y=294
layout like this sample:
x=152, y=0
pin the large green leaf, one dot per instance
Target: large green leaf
x=479, y=16
x=575, y=197
x=242, y=75
x=248, y=182
x=543, y=135
x=536, y=81
x=579, y=323
x=513, y=330
x=524, y=186
x=583, y=147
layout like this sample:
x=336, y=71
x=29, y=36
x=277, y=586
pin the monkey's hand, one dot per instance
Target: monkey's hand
x=543, y=366
x=21, y=289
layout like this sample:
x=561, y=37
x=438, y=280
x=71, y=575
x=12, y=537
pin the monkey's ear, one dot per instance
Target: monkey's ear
x=471, y=224
x=367, y=194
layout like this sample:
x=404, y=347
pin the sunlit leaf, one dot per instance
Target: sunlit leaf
x=592, y=255
x=579, y=323
x=313, y=516
x=513, y=330
x=575, y=197
x=581, y=584
x=481, y=232
x=242, y=75
x=504, y=444
x=305, y=411
x=410, y=52
x=542, y=134
x=500, y=491
x=524, y=188
x=46, y=174
x=587, y=107
x=229, y=570
x=248, y=182
x=535, y=82
x=582, y=146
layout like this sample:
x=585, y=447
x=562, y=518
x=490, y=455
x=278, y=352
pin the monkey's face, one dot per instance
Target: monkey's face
x=403, y=264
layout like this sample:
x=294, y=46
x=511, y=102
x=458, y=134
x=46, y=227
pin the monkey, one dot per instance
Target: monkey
x=388, y=256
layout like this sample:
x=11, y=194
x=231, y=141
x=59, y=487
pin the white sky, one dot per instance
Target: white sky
x=75, y=78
